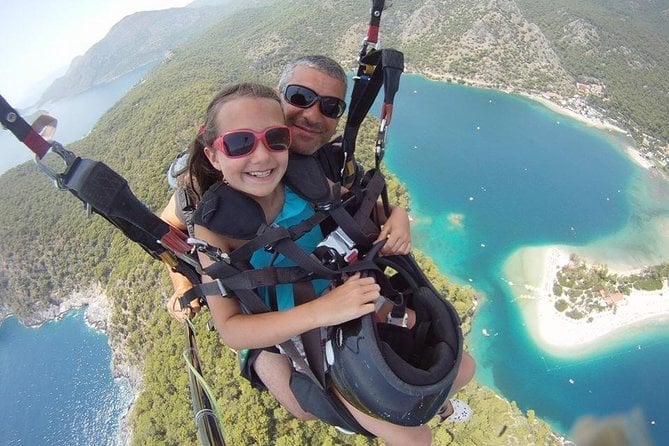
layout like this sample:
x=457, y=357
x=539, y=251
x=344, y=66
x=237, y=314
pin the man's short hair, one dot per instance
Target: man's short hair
x=323, y=64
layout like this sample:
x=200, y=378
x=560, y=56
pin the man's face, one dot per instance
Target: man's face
x=309, y=127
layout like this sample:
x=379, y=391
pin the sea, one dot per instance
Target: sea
x=488, y=173
x=56, y=385
x=76, y=115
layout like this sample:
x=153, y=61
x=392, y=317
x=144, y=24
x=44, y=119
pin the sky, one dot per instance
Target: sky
x=41, y=37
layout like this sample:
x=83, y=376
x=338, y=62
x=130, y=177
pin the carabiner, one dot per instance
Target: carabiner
x=68, y=158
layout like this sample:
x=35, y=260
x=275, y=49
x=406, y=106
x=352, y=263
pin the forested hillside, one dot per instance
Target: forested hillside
x=50, y=248
x=538, y=46
x=623, y=45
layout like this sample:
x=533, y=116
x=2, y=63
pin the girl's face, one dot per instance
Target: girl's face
x=259, y=173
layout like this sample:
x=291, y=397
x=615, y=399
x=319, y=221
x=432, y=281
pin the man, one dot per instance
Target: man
x=312, y=90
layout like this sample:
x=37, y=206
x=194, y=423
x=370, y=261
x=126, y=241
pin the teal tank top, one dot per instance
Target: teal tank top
x=295, y=209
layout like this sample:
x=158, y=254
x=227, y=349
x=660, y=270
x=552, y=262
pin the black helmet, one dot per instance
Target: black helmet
x=390, y=372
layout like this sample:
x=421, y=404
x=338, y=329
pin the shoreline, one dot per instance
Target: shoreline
x=97, y=315
x=532, y=271
x=601, y=123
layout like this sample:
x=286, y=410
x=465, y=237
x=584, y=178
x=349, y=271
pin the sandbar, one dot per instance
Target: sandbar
x=531, y=272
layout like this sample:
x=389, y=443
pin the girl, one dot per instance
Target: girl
x=244, y=143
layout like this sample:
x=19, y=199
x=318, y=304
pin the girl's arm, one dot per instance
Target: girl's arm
x=354, y=298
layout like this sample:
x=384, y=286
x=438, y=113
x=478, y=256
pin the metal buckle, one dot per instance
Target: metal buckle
x=221, y=288
x=68, y=157
x=204, y=247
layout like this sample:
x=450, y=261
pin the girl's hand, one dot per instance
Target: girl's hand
x=397, y=233
x=352, y=299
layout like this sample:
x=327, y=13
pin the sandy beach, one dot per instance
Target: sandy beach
x=531, y=272
x=563, y=110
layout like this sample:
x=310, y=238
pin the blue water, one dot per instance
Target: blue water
x=518, y=174
x=56, y=385
x=76, y=116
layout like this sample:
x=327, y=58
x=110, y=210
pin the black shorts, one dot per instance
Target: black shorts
x=248, y=371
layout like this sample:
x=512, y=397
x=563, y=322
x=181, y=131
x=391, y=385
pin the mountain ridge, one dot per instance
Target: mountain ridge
x=510, y=45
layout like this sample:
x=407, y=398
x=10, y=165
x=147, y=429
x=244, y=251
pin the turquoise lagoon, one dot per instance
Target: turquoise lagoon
x=490, y=173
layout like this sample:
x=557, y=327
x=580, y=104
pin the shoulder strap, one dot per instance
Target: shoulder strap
x=235, y=215
x=306, y=177
x=185, y=207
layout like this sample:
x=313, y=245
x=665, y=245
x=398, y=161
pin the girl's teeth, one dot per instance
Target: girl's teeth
x=262, y=174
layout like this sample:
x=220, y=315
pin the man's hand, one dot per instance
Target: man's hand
x=177, y=312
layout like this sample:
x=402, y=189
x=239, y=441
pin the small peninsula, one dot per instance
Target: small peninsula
x=573, y=304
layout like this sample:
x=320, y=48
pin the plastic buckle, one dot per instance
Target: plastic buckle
x=401, y=321
x=351, y=256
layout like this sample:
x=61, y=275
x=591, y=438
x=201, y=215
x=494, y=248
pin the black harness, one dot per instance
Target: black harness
x=234, y=215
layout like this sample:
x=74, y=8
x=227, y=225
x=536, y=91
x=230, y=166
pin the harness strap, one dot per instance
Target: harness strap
x=267, y=236
x=11, y=119
x=265, y=277
x=311, y=340
x=108, y=193
x=253, y=304
x=375, y=21
x=374, y=188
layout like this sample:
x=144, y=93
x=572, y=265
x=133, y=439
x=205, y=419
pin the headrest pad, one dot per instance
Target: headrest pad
x=228, y=212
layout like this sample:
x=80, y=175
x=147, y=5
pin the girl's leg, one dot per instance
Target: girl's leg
x=465, y=372
x=391, y=434
x=274, y=371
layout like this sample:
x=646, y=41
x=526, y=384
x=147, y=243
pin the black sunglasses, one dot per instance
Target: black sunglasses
x=304, y=97
x=238, y=143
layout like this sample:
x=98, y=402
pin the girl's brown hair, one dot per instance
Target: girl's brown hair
x=201, y=173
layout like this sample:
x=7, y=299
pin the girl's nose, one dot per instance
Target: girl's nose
x=261, y=152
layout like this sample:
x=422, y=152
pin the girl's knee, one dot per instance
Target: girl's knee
x=465, y=372
x=468, y=367
x=274, y=371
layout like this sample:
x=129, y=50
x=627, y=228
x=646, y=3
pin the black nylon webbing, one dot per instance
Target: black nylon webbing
x=11, y=120
x=303, y=292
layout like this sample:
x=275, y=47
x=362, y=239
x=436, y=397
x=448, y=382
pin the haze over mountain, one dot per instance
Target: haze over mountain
x=139, y=39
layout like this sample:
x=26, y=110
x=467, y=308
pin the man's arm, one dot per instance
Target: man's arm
x=180, y=283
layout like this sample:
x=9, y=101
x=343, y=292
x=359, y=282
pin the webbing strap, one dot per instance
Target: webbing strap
x=108, y=193
x=253, y=304
x=374, y=188
x=303, y=292
x=22, y=130
x=267, y=236
x=375, y=21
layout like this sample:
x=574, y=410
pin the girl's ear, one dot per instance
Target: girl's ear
x=211, y=156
